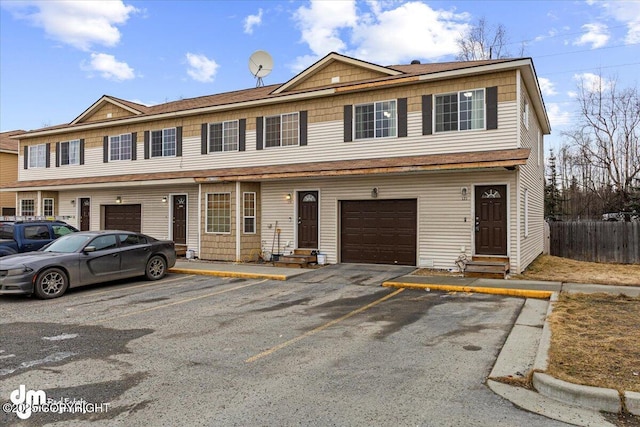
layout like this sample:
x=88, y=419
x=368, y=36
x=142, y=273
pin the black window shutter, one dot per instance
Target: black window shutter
x=48, y=155
x=57, y=154
x=303, y=128
x=242, y=134
x=402, y=117
x=203, y=138
x=427, y=111
x=492, y=107
x=134, y=146
x=146, y=144
x=105, y=149
x=348, y=123
x=26, y=157
x=82, y=151
x=259, y=132
x=179, y=141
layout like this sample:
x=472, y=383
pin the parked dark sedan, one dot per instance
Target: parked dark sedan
x=85, y=258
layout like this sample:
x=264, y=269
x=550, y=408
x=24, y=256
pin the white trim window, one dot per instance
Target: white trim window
x=120, y=147
x=70, y=152
x=38, y=156
x=282, y=130
x=224, y=136
x=525, y=113
x=47, y=207
x=249, y=212
x=163, y=142
x=218, y=213
x=27, y=207
x=376, y=120
x=460, y=111
x=526, y=212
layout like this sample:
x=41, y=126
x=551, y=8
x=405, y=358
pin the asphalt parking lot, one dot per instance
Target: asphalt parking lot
x=328, y=347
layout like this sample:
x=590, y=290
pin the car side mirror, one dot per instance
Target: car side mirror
x=89, y=249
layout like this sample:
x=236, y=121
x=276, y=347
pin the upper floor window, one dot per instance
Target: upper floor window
x=27, y=207
x=463, y=110
x=223, y=136
x=47, y=207
x=70, y=152
x=525, y=114
x=282, y=130
x=38, y=156
x=163, y=143
x=120, y=147
x=376, y=120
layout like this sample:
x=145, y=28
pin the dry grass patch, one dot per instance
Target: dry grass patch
x=552, y=268
x=595, y=340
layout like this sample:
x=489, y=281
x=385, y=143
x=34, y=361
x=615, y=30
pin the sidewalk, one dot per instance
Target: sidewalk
x=525, y=350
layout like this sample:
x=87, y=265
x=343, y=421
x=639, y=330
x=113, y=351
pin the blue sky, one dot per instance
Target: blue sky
x=59, y=57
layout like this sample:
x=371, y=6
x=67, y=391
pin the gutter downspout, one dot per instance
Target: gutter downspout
x=238, y=221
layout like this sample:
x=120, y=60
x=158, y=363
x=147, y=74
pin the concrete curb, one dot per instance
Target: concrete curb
x=632, y=402
x=526, y=293
x=235, y=274
x=600, y=399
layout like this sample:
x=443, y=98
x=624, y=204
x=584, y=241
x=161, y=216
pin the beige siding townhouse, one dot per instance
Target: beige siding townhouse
x=412, y=164
x=8, y=171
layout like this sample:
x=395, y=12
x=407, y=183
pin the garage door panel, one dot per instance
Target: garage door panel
x=379, y=231
x=123, y=217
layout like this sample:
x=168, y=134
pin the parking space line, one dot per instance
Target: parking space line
x=322, y=327
x=156, y=283
x=182, y=301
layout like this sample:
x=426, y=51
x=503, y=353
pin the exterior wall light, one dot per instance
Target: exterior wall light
x=164, y=199
x=118, y=200
x=464, y=193
x=374, y=193
x=288, y=197
x=73, y=202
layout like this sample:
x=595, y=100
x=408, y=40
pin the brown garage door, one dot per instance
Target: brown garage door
x=378, y=231
x=123, y=217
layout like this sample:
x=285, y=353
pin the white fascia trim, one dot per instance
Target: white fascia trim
x=192, y=112
x=103, y=99
x=110, y=185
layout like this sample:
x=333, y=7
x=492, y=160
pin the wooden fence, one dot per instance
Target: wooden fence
x=596, y=241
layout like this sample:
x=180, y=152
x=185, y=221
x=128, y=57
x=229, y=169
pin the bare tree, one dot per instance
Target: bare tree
x=482, y=41
x=605, y=140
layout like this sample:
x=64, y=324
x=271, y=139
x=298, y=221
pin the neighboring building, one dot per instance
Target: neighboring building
x=409, y=164
x=8, y=170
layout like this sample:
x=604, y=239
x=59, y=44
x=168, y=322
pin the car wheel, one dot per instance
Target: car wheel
x=51, y=283
x=156, y=268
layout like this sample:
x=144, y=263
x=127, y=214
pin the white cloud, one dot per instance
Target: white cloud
x=596, y=34
x=627, y=12
x=201, y=68
x=547, y=87
x=557, y=117
x=109, y=68
x=592, y=82
x=389, y=36
x=252, y=21
x=80, y=24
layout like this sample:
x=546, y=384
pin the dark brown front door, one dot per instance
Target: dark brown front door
x=491, y=220
x=308, y=219
x=85, y=214
x=180, y=219
x=378, y=231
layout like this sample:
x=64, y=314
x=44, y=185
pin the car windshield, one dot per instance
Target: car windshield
x=69, y=243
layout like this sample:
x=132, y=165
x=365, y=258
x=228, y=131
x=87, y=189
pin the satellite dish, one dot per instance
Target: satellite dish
x=260, y=65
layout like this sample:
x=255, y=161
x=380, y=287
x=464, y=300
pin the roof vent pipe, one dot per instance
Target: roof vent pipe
x=415, y=61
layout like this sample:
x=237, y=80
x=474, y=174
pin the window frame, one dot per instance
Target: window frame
x=40, y=155
x=120, y=150
x=376, y=129
x=225, y=127
x=165, y=143
x=22, y=207
x=66, y=159
x=44, y=206
x=213, y=222
x=252, y=209
x=458, y=112
x=280, y=131
x=525, y=113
